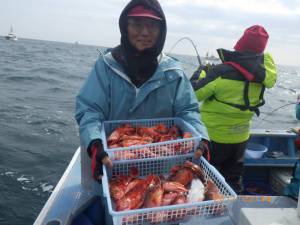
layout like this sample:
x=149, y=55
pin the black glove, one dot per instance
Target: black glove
x=98, y=156
x=196, y=74
x=203, y=150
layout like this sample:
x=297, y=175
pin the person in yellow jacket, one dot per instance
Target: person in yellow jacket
x=231, y=93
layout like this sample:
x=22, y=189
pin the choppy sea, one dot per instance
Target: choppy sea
x=38, y=134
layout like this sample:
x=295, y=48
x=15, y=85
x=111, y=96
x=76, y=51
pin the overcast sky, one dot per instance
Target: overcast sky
x=211, y=24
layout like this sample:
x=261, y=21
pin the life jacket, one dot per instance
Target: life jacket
x=251, y=66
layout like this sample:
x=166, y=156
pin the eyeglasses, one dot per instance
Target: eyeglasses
x=152, y=26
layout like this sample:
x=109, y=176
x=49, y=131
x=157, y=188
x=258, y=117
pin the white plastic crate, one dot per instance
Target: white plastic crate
x=153, y=150
x=172, y=213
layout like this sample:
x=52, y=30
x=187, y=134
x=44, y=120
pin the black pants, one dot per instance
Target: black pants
x=229, y=161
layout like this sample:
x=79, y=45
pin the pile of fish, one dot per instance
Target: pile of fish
x=184, y=184
x=127, y=135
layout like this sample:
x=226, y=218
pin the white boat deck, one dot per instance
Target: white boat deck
x=257, y=204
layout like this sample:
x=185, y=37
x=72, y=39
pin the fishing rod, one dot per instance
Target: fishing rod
x=192, y=42
x=274, y=110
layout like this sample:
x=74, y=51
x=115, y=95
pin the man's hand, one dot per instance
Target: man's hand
x=202, y=150
x=99, y=158
x=196, y=75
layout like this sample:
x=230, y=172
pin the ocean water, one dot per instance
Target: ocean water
x=38, y=134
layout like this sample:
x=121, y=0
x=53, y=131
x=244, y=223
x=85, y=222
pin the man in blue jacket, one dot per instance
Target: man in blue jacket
x=134, y=81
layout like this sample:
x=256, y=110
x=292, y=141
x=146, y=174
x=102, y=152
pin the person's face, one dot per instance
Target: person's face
x=143, y=32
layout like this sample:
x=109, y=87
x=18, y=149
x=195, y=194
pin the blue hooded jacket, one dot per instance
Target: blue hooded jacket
x=298, y=108
x=108, y=94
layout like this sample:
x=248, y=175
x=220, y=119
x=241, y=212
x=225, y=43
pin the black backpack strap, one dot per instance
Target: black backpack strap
x=246, y=100
x=261, y=103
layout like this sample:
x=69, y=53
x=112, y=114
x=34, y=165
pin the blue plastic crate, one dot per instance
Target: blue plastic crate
x=175, y=213
x=157, y=150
